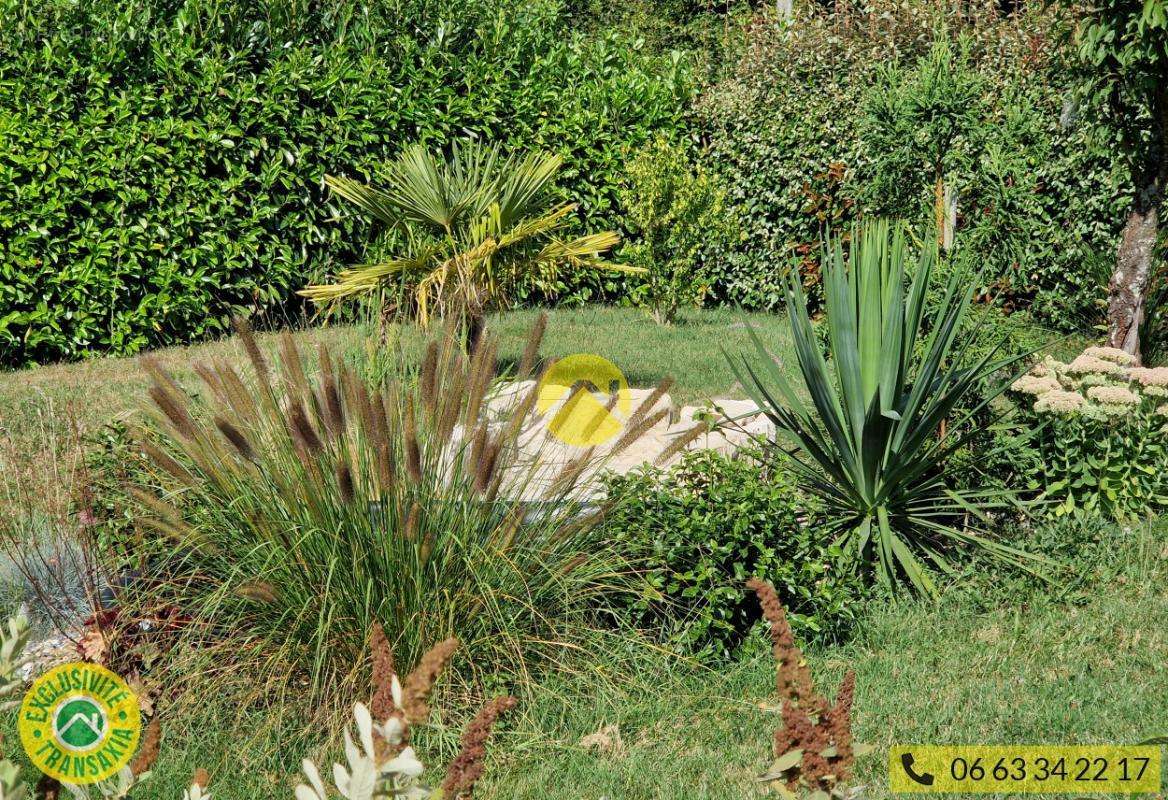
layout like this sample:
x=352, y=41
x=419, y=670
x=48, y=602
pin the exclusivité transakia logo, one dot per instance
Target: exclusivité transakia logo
x=79, y=723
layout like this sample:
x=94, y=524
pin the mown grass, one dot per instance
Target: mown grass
x=41, y=409
x=1022, y=670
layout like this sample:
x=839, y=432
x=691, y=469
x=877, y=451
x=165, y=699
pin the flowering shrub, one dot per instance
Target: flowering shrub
x=1102, y=428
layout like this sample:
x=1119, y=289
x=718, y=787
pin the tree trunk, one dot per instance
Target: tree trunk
x=1129, y=283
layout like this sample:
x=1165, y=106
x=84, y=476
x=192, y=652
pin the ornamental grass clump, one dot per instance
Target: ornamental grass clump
x=814, y=749
x=1101, y=424
x=295, y=508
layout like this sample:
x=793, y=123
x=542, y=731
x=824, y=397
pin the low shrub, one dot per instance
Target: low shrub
x=1101, y=427
x=703, y=527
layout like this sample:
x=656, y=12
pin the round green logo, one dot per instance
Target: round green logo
x=79, y=723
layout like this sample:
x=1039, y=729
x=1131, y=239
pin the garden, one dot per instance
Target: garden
x=578, y=398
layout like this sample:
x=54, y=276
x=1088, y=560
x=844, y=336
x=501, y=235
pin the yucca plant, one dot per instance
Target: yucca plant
x=296, y=510
x=874, y=426
x=472, y=227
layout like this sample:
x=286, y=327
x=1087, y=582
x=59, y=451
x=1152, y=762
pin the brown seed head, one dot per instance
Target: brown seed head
x=531, y=351
x=382, y=705
x=419, y=683
x=252, y=348
x=467, y=767
x=148, y=751
x=236, y=437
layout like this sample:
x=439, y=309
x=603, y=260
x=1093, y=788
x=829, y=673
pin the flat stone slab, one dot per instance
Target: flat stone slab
x=733, y=424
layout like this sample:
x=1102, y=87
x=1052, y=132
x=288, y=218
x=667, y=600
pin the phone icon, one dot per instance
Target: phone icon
x=906, y=761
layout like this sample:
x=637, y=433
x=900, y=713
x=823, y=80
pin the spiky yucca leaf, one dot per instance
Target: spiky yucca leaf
x=867, y=425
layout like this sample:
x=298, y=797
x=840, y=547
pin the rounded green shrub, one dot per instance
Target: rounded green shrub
x=701, y=529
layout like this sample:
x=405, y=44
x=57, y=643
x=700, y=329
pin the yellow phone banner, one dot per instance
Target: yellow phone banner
x=1039, y=768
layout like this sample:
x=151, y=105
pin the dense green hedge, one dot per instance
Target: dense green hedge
x=161, y=162
x=834, y=116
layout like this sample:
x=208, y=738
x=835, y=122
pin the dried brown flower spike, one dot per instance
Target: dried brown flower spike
x=419, y=683
x=466, y=769
x=814, y=750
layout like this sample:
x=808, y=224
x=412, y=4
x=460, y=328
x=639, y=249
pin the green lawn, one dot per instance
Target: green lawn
x=979, y=667
x=1017, y=669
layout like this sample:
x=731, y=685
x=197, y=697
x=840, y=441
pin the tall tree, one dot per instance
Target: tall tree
x=1123, y=45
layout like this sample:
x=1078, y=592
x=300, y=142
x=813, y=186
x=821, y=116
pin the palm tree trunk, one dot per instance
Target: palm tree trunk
x=472, y=328
x=1129, y=283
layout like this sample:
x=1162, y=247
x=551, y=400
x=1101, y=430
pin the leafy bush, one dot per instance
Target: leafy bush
x=162, y=164
x=1102, y=432
x=702, y=528
x=678, y=220
x=873, y=444
x=300, y=511
x=818, y=121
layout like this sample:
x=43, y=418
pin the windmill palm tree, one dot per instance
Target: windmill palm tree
x=474, y=226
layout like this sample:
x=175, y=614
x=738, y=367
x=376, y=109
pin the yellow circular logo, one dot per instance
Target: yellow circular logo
x=596, y=399
x=79, y=723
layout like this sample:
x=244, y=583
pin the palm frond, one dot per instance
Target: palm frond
x=490, y=217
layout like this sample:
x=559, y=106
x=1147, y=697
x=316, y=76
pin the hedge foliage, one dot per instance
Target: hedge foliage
x=835, y=115
x=161, y=162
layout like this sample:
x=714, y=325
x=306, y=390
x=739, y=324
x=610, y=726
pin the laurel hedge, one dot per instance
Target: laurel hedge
x=161, y=163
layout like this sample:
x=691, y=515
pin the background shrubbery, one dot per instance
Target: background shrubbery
x=162, y=163
x=822, y=119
